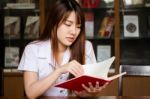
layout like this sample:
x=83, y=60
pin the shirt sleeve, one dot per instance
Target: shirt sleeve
x=90, y=55
x=28, y=61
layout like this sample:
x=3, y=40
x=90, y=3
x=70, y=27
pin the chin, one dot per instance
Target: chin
x=68, y=44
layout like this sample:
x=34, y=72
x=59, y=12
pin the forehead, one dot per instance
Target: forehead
x=71, y=16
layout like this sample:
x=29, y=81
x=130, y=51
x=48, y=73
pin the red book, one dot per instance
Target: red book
x=90, y=3
x=76, y=83
x=92, y=73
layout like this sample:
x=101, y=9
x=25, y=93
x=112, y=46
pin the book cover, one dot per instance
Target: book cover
x=32, y=27
x=131, y=26
x=89, y=3
x=127, y=2
x=92, y=73
x=22, y=5
x=103, y=52
x=25, y=1
x=89, y=24
x=11, y=56
x=137, y=2
x=133, y=2
x=11, y=27
x=148, y=26
x=106, y=27
x=147, y=3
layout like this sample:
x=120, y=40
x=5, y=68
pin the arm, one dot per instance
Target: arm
x=35, y=87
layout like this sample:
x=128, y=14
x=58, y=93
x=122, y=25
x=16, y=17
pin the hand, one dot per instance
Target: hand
x=91, y=90
x=94, y=89
x=72, y=67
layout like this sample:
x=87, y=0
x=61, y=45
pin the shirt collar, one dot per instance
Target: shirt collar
x=45, y=52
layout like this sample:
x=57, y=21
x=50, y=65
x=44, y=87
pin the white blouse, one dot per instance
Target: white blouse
x=37, y=57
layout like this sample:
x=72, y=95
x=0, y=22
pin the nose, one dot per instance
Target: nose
x=73, y=30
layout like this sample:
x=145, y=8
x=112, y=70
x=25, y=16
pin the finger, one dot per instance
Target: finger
x=98, y=88
x=86, y=88
x=97, y=85
x=76, y=72
x=78, y=69
x=73, y=71
x=91, y=86
x=104, y=86
x=79, y=66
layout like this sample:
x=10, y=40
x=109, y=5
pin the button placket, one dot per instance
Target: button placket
x=61, y=77
x=61, y=91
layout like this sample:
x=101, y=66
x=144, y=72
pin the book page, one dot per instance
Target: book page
x=115, y=76
x=99, y=69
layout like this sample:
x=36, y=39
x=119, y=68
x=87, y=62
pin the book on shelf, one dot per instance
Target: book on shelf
x=89, y=24
x=11, y=27
x=11, y=56
x=147, y=3
x=32, y=27
x=127, y=2
x=133, y=2
x=137, y=2
x=103, y=52
x=106, y=27
x=96, y=72
x=149, y=21
x=148, y=26
x=89, y=3
x=20, y=6
x=131, y=26
x=25, y=1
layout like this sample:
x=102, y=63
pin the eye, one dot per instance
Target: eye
x=67, y=24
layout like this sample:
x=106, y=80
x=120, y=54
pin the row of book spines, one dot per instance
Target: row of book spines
x=95, y=3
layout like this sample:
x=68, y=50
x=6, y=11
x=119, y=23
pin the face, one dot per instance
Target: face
x=68, y=31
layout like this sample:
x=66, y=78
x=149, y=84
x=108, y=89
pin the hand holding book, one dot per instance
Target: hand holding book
x=93, y=73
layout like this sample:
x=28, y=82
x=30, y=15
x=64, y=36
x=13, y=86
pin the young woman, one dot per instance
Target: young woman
x=59, y=53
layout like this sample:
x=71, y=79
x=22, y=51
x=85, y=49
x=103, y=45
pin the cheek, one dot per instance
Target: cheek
x=78, y=32
x=60, y=32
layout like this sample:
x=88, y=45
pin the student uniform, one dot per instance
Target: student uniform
x=37, y=57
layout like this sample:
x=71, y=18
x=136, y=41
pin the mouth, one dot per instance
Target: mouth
x=70, y=39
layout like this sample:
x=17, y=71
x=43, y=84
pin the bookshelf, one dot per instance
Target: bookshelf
x=13, y=41
x=135, y=49
x=20, y=25
x=119, y=44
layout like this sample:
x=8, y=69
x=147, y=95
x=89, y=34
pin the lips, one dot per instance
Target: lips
x=70, y=39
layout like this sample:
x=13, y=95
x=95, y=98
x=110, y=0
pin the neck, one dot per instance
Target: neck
x=61, y=48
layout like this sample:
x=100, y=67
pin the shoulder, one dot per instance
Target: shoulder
x=36, y=46
x=88, y=44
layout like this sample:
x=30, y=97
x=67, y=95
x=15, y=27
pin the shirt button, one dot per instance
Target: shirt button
x=61, y=77
x=61, y=91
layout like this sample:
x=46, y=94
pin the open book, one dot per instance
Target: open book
x=93, y=73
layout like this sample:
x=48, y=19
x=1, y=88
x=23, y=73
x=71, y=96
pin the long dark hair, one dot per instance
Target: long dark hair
x=59, y=11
